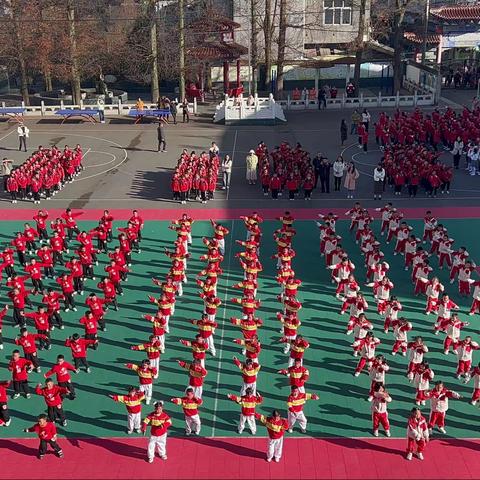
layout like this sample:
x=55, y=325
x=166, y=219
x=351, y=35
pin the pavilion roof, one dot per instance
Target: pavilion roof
x=217, y=51
x=414, y=37
x=213, y=23
x=457, y=12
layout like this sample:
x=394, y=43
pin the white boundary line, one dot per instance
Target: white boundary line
x=104, y=163
x=8, y=134
x=80, y=179
x=220, y=344
x=233, y=156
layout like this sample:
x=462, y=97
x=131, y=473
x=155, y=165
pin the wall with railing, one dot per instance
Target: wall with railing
x=395, y=101
x=119, y=108
x=254, y=108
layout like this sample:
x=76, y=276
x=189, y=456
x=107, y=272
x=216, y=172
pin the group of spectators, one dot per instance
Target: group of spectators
x=43, y=174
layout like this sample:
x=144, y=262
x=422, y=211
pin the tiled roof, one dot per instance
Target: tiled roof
x=416, y=38
x=457, y=12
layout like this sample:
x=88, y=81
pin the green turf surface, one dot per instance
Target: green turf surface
x=342, y=409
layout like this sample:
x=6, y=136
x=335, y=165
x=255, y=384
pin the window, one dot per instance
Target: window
x=337, y=12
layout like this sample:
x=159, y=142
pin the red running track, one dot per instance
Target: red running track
x=242, y=458
x=233, y=214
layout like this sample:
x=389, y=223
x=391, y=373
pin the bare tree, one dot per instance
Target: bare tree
x=268, y=26
x=254, y=43
x=360, y=44
x=181, y=44
x=282, y=37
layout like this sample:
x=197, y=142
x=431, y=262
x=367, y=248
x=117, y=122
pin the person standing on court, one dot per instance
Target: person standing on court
x=322, y=98
x=213, y=150
x=226, y=168
x=343, y=132
x=356, y=119
x=159, y=422
x=252, y=162
x=186, y=116
x=378, y=179
x=7, y=166
x=457, y=152
x=162, y=141
x=325, y=167
x=101, y=109
x=338, y=169
x=23, y=133
x=173, y=111
x=276, y=428
x=366, y=117
x=351, y=178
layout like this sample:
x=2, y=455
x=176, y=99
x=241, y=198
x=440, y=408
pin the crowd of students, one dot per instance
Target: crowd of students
x=195, y=176
x=37, y=254
x=44, y=173
x=419, y=261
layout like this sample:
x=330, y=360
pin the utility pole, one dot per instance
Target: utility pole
x=425, y=31
x=181, y=60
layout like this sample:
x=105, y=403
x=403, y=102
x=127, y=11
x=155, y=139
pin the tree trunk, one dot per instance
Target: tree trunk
x=154, y=84
x=20, y=54
x=74, y=72
x=398, y=43
x=282, y=35
x=267, y=33
x=360, y=45
x=254, y=45
x=181, y=60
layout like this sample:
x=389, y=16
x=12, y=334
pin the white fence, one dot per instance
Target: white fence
x=118, y=108
x=363, y=102
x=239, y=109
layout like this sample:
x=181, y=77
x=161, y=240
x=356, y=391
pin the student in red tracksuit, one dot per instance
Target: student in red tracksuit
x=66, y=282
x=18, y=299
x=47, y=433
x=42, y=326
x=12, y=188
x=28, y=342
x=41, y=221
x=2, y=316
x=20, y=368
x=109, y=292
x=107, y=221
x=5, y=419
x=78, y=347
x=71, y=223
x=57, y=245
x=96, y=306
x=61, y=369
x=52, y=300
x=20, y=244
x=52, y=395
x=115, y=271
x=45, y=253
x=76, y=269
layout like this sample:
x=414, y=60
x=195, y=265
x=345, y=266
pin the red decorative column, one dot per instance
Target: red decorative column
x=226, y=81
x=238, y=73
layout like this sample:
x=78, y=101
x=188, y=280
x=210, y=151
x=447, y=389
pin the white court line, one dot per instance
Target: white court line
x=103, y=140
x=220, y=355
x=233, y=156
x=86, y=153
x=9, y=133
x=104, y=163
x=260, y=199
